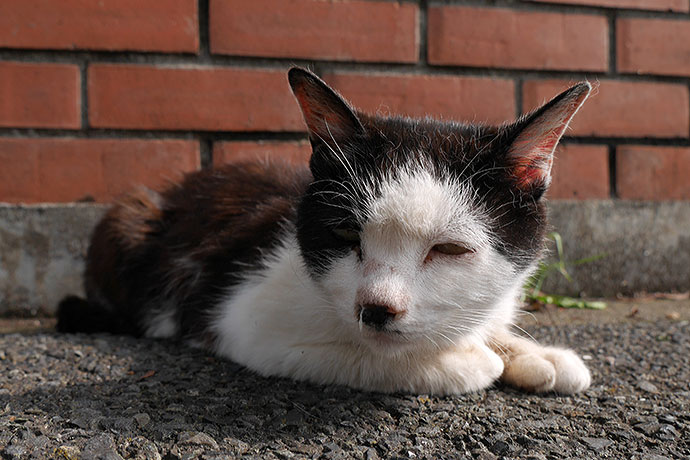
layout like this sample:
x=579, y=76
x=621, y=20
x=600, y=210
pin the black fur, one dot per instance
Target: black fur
x=220, y=222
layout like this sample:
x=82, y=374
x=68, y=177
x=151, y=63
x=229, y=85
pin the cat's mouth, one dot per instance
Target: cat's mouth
x=384, y=337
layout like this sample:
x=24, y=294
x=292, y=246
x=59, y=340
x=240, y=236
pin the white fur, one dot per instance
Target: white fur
x=537, y=368
x=280, y=321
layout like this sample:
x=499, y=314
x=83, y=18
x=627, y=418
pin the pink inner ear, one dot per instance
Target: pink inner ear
x=311, y=116
x=321, y=119
x=534, y=165
x=531, y=153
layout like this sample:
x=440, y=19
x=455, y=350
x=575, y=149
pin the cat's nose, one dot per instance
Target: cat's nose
x=377, y=316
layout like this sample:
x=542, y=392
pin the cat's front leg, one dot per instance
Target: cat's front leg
x=461, y=369
x=537, y=368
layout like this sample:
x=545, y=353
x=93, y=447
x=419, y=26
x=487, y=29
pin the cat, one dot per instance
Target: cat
x=392, y=262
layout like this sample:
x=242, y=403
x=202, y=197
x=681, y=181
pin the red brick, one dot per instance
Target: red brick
x=660, y=5
x=347, y=30
x=60, y=170
x=580, y=172
x=653, y=46
x=653, y=173
x=456, y=98
x=143, y=25
x=617, y=108
x=499, y=37
x=39, y=95
x=201, y=98
x=235, y=151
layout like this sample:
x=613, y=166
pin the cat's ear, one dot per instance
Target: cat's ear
x=329, y=118
x=536, y=135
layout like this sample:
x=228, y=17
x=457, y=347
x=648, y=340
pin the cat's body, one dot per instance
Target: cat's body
x=392, y=262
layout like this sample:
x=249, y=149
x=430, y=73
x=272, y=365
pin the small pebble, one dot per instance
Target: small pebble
x=597, y=443
x=536, y=456
x=13, y=451
x=101, y=447
x=197, y=438
x=500, y=448
x=647, y=386
x=667, y=432
x=371, y=454
x=142, y=419
x=67, y=453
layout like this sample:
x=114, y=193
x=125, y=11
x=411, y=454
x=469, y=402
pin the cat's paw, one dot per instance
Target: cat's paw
x=572, y=376
x=530, y=372
x=550, y=369
x=471, y=369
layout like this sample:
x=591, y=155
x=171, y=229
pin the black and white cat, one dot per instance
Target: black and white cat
x=392, y=262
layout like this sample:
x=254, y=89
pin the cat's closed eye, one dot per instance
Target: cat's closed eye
x=350, y=236
x=347, y=234
x=448, y=249
x=451, y=249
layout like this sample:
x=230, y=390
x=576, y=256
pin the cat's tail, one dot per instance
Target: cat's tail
x=75, y=314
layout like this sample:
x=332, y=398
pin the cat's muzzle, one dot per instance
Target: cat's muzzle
x=377, y=316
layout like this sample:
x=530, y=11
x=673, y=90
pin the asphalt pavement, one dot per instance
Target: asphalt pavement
x=111, y=397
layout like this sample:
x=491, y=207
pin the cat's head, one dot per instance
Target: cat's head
x=422, y=232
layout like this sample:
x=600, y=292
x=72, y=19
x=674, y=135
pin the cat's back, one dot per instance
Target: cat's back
x=189, y=243
x=234, y=200
x=245, y=195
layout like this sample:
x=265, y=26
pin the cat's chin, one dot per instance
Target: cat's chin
x=386, y=343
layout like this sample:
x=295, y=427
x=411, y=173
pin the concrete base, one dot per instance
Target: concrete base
x=647, y=247
x=42, y=251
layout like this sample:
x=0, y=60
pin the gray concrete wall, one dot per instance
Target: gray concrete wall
x=647, y=247
x=42, y=249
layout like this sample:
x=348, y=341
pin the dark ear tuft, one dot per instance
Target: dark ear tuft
x=530, y=154
x=329, y=118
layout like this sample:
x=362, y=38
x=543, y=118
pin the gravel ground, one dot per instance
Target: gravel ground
x=109, y=397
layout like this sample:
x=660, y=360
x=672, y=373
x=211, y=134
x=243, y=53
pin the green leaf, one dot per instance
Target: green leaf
x=532, y=288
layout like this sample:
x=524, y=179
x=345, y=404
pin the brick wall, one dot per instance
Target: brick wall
x=97, y=96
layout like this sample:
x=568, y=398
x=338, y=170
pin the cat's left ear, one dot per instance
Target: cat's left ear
x=536, y=135
x=329, y=118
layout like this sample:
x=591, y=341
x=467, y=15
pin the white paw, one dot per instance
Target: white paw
x=572, y=376
x=472, y=370
x=547, y=369
x=530, y=372
x=492, y=368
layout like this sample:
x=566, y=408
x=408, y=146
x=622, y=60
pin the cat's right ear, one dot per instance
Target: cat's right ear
x=329, y=118
x=535, y=137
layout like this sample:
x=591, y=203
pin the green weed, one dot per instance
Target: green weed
x=533, y=294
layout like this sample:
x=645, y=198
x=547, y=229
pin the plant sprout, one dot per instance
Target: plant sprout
x=533, y=293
